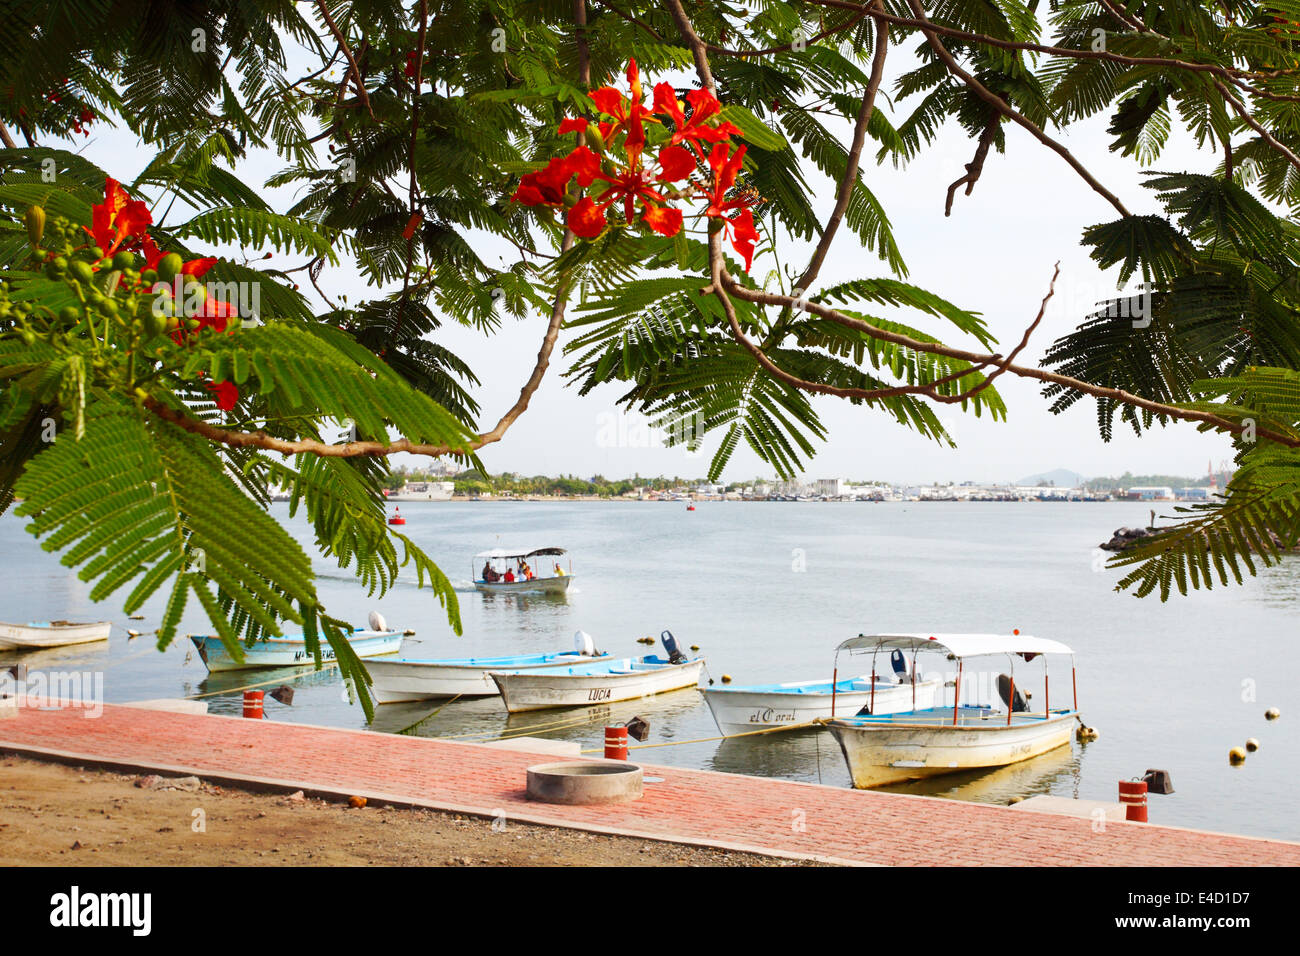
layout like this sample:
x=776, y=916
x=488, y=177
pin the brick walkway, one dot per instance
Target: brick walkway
x=689, y=806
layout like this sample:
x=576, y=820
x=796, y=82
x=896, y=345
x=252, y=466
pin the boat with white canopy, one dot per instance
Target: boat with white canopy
x=908, y=745
x=741, y=710
x=509, y=571
x=402, y=679
x=41, y=634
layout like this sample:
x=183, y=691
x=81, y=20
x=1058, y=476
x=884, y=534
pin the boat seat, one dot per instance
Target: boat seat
x=1004, y=691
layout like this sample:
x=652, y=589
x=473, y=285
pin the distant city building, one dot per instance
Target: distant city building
x=830, y=487
x=1194, y=494
x=1162, y=493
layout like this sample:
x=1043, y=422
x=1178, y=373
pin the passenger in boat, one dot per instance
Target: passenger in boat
x=510, y=576
x=489, y=575
x=559, y=571
x=525, y=572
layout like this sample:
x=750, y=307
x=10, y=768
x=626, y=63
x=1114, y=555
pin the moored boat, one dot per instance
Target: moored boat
x=599, y=682
x=290, y=650
x=403, y=679
x=513, y=579
x=910, y=745
x=41, y=634
x=739, y=710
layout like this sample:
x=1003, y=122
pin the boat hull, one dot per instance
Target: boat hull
x=34, y=636
x=541, y=691
x=741, y=711
x=879, y=754
x=556, y=585
x=289, y=652
x=396, y=681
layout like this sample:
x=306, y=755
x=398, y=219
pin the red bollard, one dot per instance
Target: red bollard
x=1133, y=794
x=253, y=704
x=615, y=743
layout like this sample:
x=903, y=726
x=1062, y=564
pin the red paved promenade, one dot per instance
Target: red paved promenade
x=690, y=806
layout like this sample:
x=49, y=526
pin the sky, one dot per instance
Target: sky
x=995, y=255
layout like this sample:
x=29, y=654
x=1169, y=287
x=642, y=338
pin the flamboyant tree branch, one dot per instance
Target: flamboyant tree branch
x=1233, y=75
x=722, y=285
x=347, y=52
x=1003, y=107
x=849, y=181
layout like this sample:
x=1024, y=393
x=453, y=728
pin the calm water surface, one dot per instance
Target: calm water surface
x=1172, y=686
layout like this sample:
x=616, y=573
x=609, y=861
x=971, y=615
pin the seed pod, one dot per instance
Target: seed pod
x=169, y=267
x=595, y=142
x=123, y=260
x=35, y=220
x=69, y=315
x=81, y=271
x=154, y=324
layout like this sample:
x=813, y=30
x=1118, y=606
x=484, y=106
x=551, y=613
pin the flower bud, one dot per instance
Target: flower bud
x=169, y=267
x=35, y=220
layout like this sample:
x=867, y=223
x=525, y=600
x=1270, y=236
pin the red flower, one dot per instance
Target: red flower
x=225, y=394
x=628, y=115
x=704, y=106
x=578, y=125
x=547, y=187
x=726, y=167
x=740, y=227
x=663, y=220
x=586, y=219
x=675, y=163
x=117, y=218
x=743, y=234
x=412, y=59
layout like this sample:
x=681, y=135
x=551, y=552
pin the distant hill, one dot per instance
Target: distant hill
x=1060, y=478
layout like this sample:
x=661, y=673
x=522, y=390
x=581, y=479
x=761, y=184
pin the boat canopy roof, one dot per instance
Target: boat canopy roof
x=957, y=645
x=517, y=552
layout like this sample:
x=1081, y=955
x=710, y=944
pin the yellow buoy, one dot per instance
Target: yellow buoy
x=1236, y=755
x=695, y=647
x=1272, y=714
x=1252, y=744
x=726, y=678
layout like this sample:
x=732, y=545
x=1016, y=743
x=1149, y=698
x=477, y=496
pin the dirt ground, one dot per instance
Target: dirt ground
x=53, y=814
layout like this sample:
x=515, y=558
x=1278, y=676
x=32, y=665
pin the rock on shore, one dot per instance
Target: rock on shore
x=1125, y=538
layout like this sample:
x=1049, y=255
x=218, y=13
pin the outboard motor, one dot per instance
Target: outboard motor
x=377, y=622
x=899, y=663
x=1004, y=689
x=583, y=644
x=675, y=656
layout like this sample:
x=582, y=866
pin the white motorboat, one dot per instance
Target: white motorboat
x=909, y=745
x=599, y=682
x=290, y=650
x=403, y=679
x=41, y=634
x=741, y=710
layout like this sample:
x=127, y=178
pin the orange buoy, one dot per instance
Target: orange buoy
x=397, y=517
x=1133, y=794
x=690, y=507
x=253, y=704
x=615, y=743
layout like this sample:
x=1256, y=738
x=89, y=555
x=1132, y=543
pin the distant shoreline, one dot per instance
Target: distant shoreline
x=463, y=499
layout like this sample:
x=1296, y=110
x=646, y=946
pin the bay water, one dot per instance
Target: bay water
x=767, y=590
